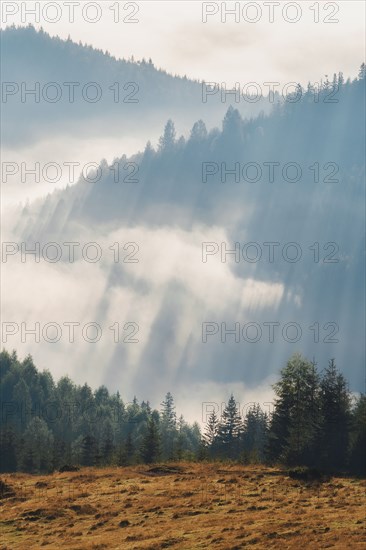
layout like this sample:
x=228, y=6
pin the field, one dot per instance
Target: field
x=185, y=505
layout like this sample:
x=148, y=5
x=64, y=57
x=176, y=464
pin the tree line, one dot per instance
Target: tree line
x=316, y=422
x=45, y=425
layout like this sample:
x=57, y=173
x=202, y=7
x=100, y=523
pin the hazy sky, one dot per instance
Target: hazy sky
x=175, y=37
x=175, y=291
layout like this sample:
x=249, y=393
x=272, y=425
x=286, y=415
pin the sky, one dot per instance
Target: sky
x=250, y=49
x=174, y=36
x=326, y=37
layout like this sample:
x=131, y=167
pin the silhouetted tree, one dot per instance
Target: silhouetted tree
x=293, y=429
x=335, y=415
x=168, y=426
x=255, y=433
x=358, y=437
x=212, y=429
x=89, y=451
x=167, y=140
x=150, y=449
x=228, y=432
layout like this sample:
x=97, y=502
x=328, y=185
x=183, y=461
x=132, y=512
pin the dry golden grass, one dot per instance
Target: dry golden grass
x=188, y=506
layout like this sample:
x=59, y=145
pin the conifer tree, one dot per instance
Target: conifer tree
x=168, y=427
x=212, y=428
x=229, y=429
x=89, y=451
x=167, y=140
x=255, y=433
x=335, y=414
x=357, y=461
x=150, y=450
x=294, y=424
x=36, y=454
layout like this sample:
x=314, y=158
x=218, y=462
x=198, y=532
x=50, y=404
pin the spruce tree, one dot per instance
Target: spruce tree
x=8, y=446
x=168, y=427
x=335, y=414
x=167, y=140
x=294, y=423
x=211, y=432
x=150, y=449
x=129, y=449
x=37, y=445
x=357, y=462
x=229, y=430
x=89, y=451
x=255, y=434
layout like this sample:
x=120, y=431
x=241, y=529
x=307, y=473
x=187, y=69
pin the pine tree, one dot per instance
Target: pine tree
x=59, y=453
x=181, y=444
x=36, y=449
x=199, y=131
x=167, y=140
x=357, y=460
x=23, y=402
x=129, y=449
x=150, y=449
x=362, y=72
x=168, y=427
x=229, y=429
x=255, y=434
x=8, y=445
x=168, y=414
x=148, y=152
x=335, y=417
x=108, y=449
x=294, y=423
x=89, y=451
x=212, y=428
x=232, y=125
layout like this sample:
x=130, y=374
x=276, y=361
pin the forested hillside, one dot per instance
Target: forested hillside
x=48, y=425
x=89, y=92
x=295, y=176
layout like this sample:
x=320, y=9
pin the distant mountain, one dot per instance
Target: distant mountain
x=84, y=91
x=315, y=200
x=308, y=154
